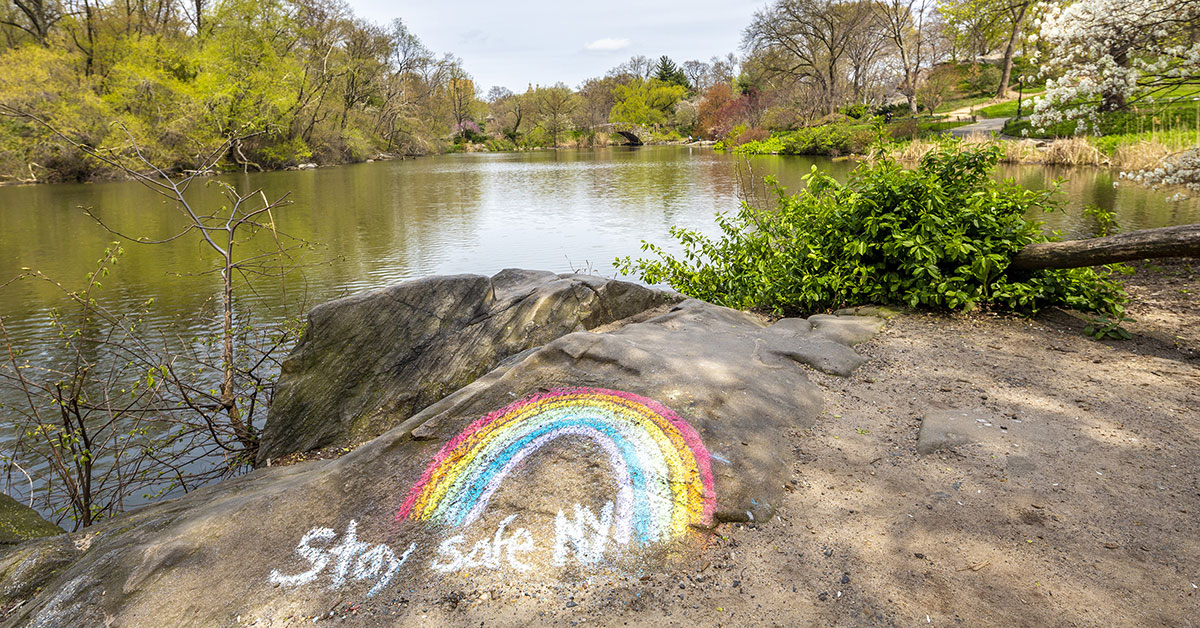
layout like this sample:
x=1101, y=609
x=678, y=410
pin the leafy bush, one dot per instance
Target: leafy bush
x=666, y=135
x=940, y=236
x=982, y=79
x=501, y=144
x=857, y=112
x=770, y=146
x=905, y=129
x=829, y=140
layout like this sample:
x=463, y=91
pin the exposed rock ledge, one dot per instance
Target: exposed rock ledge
x=371, y=360
x=585, y=453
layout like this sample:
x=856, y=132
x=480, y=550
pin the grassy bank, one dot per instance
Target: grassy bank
x=1142, y=154
x=836, y=139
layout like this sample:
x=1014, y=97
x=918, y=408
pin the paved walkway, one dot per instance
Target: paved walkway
x=982, y=125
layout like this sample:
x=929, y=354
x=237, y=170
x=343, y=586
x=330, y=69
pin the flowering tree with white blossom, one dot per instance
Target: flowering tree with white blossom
x=1103, y=55
x=1181, y=169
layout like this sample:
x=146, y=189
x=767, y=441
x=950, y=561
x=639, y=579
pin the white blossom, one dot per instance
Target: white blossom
x=1103, y=49
x=1181, y=169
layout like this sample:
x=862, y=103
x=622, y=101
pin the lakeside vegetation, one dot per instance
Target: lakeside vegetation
x=306, y=81
x=938, y=236
x=92, y=90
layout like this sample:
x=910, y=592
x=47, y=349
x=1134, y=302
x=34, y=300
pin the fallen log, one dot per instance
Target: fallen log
x=1181, y=241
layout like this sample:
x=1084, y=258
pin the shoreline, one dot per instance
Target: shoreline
x=379, y=158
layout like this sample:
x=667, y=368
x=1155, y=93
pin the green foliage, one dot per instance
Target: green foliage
x=298, y=81
x=499, y=145
x=1106, y=221
x=857, y=112
x=1177, y=117
x=36, y=78
x=771, y=146
x=982, y=78
x=645, y=102
x=668, y=72
x=940, y=236
x=1008, y=109
x=670, y=135
x=1107, y=326
x=936, y=127
x=830, y=139
x=834, y=139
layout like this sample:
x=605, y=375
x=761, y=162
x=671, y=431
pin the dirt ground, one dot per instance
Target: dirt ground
x=1078, y=506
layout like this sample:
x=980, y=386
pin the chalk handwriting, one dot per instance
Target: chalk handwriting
x=483, y=553
x=351, y=558
x=587, y=534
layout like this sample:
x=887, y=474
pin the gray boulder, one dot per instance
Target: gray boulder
x=31, y=551
x=19, y=523
x=600, y=454
x=369, y=361
x=26, y=568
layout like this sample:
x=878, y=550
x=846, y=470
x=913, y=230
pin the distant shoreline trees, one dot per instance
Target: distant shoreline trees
x=307, y=81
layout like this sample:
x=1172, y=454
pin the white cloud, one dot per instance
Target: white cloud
x=608, y=44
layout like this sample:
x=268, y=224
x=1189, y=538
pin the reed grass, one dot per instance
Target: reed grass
x=1075, y=151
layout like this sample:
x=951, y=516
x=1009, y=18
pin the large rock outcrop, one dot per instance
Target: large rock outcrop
x=19, y=523
x=31, y=551
x=599, y=454
x=369, y=361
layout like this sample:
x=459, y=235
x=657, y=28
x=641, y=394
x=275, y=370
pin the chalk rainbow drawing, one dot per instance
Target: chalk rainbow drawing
x=661, y=467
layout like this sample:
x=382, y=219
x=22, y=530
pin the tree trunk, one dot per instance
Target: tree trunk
x=243, y=433
x=1006, y=77
x=1181, y=241
x=1016, y=14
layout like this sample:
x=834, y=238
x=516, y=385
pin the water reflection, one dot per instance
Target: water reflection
x=380, y=223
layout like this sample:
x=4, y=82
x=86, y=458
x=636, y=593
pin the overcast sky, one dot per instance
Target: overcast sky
x=547, y=41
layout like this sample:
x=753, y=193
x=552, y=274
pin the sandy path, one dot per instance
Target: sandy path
x=1079, y=505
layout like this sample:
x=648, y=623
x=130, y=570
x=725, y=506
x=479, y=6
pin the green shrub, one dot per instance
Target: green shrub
x=982, y=79
x=832, y=140
x=770, y=146
x=668, y=135
x=940, y=236
x=857, y=112
x=499, y=145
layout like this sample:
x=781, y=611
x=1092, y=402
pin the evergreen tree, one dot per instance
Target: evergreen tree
x=668, y=72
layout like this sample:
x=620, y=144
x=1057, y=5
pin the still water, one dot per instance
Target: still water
x=381, y=223
x=384, y=222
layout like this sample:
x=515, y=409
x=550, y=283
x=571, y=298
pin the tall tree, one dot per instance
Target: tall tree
x=461, y=91
x=867, y=61
x=508, y=111
x=554, y=105
x=972, y=27
x=596, y=100
x=697, y=74
x=724, y=69
x=1015, y=14
x=806, y=41
x=638, y=66
x=647, y=102
x=365, y=46
x=35, y=17
x=667, y=71
x=905, y=23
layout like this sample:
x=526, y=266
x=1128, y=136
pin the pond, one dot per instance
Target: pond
x=384, y=222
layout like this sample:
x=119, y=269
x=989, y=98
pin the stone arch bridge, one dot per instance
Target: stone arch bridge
x=636, y=135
